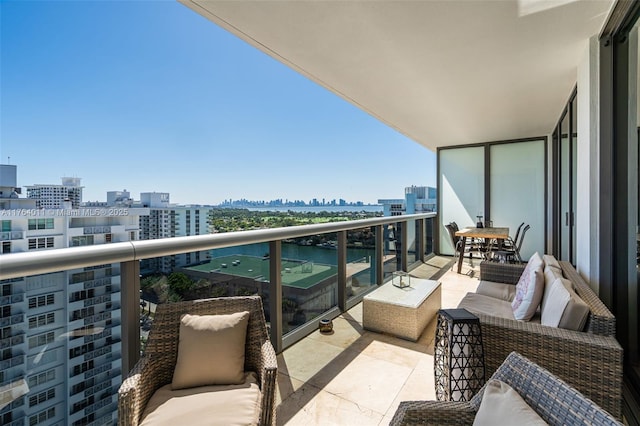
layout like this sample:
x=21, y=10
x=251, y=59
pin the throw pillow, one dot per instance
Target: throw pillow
x=502, y=405
x=529, y=290
x=576, y=313
x=550, y=275
x=550, y=260
x=210, y=350
x=557, y=300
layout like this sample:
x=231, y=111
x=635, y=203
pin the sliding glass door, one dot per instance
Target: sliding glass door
x=504, y=182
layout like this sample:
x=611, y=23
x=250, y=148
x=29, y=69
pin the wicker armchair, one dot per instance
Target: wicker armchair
x=554, y=400
x=591, y=360
x=155, y=368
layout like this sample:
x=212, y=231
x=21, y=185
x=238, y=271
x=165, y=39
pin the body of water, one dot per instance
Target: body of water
x=331, y=209
x=294, y=251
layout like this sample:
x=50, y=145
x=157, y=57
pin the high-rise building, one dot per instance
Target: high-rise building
x=417, y=199
x=60, y=333
x=166, y=220
x=53, y=196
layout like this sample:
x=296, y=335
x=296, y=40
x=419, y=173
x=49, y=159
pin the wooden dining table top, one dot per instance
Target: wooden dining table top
x=500, y=233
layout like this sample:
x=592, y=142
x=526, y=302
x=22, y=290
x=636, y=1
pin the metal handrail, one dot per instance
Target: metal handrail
x=15, y=265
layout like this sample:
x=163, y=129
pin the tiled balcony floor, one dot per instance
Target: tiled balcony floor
x=358, y=377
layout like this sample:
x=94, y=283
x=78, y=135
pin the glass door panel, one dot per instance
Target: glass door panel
x=518, y=191
x=461, y=183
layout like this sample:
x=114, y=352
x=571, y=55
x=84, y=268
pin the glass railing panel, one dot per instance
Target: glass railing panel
x=412, y=240
x=361, y=270
x=309, y=274
x=428, y=236
x=392, y=250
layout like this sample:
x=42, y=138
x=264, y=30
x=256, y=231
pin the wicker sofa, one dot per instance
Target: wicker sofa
x=589, y=360
x=550, y=397
x=156, y=367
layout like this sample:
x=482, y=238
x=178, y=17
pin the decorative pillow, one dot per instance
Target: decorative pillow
x=557, y=300
x=576, y=312
x=550, y=260
x=550, y=276
x=210, y=350
x=502, y=405
x=529, y=290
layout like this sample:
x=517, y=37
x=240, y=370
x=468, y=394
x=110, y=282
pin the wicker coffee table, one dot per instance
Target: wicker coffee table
x=402, y=312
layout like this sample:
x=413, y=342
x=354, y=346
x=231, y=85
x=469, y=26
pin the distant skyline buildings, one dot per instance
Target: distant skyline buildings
x=315, y=202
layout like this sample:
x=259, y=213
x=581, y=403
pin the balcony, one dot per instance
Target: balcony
x=355, y=376
x=351, y=376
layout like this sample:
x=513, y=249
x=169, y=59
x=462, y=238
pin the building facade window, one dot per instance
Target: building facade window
x=6, y=226
x=41, y=320
x=83, y=240
x=42, y=378
x=40, y=243
x=42, y=417
x=40, y=301
x=35, y=224
x=41, y=339
x=6, y=247
x=41, y=397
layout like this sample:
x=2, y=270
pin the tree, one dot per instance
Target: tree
x=179, y=283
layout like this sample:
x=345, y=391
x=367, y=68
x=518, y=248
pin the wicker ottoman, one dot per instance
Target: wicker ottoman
x=402, y=312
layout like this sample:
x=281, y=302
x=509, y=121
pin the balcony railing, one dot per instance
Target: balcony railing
x=393, y=243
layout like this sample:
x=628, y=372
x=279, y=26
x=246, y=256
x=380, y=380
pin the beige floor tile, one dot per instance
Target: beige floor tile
x=307, y=358
x=358, y=377
x=420, y=386
x=372, y=383
x=285, y=386
x=311, y=406
x=344, y=333
x=391, y=349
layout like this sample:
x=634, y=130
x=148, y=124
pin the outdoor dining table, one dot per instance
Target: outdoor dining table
x=500, y=234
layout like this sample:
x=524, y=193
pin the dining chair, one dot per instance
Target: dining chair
x=512, y=254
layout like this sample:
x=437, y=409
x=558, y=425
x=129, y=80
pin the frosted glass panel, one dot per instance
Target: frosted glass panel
x=517, y=191
x=462, y=187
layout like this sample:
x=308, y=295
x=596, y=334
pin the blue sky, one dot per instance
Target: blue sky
x=150, y=96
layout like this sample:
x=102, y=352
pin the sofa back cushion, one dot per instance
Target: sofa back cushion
x=550, y=276
x=557, y=298
x=576, y=313
x=529, y=289
x=550, y=260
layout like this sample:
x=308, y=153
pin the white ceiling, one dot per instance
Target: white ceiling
x=440, y=72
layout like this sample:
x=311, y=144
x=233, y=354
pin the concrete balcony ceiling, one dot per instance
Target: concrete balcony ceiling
x=440, y=72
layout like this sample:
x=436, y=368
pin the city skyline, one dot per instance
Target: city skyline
x=149, y=96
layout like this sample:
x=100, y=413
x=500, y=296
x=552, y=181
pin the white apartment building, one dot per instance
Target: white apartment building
x=53, y=196
x=60, y=334
x=417, y=199
x=166, y=220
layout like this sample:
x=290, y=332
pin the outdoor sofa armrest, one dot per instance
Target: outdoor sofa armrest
x=589, y=362
x=135, y=391
x=268, y=375
x=433, y=413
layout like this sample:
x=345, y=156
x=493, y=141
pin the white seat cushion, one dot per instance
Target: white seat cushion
x=481, y=304
x=224, y=405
